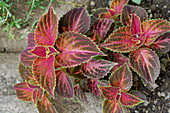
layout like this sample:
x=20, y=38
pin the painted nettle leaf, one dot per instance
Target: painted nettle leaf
x=116, y=95
x=64, y=86
x=121, y=78
x=129, y=38
x=153, y=29
x=146, y=63
x=28, y=92
x=77, y=20
x=115, y=9
x=80, y=94
x=75, y=48
x=25, y=72
x=120, y=59
x=128, y=10
x=92, y=86
x=97, y=68
x=99, y=29
x=45, y=36
x=26, y=57
x=162, y=43
x=45, y=105
x=112, y=106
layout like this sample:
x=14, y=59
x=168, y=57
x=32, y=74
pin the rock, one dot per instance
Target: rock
x=153, y=7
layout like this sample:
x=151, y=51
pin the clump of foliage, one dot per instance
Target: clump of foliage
x=7, y=19
x=106, y=55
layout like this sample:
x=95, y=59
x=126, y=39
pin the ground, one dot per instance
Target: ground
x=9, y=56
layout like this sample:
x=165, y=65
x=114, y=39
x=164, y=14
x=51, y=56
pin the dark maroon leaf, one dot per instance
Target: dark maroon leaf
x=128, y=10
x=139, y=95
x=97, y=68
x=77, y=72
x=162, y=43
x=146, y=63
x=122, y=78
x=80, y=94
x=77, y=20
x=120, y=59
x=63, y=85
x=100, y=27
x=92, y=86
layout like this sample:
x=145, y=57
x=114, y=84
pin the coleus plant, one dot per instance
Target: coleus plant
x=69, y=49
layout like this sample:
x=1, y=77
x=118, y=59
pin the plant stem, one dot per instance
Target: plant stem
x=29, y=11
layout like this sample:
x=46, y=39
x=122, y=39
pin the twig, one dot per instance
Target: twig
x=162, y=108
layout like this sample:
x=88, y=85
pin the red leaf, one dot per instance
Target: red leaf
x=109, y=92
x=153, y=29
x=97, y=68
x=128, y=10
x=77, y=20
x=75, y=48
x=120, y=59
x=47, y=28
x=100, y=27
x=135, y=26
x=109, y=14
x=129, y=100
x=24, y=92
x=122, y=78
x=39, y=51
x=92, y=86
x=45, y=106
x=43, y=70
x=146, y=63
x=162, y=43
x=80, y=94
x=26, y=57
x=122, y=40
x=117, y=5
x=63, y=85
x=111, y=106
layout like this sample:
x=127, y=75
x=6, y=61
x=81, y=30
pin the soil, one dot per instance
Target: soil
x=158, y=99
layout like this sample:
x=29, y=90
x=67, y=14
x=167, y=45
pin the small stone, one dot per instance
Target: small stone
x=155, y=101
x=165, y=6
x=156, y=15
x=159, y=94
x=153, y=7
x=92, y=3
x=150, y=15
x=146, y=111
x=149, y=11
